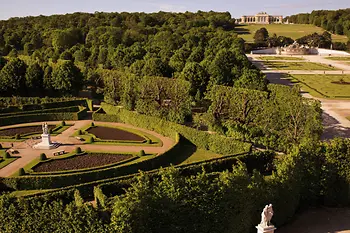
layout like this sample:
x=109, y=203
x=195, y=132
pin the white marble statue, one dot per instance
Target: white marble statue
x=266, y=215
x=45, y=128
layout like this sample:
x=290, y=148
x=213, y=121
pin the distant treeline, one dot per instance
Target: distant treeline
x=335, y=21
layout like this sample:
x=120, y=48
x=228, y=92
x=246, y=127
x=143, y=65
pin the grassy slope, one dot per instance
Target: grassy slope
x=294, y=31
x=323, y=85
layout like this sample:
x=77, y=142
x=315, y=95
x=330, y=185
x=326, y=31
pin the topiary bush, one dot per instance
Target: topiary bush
x=79, y=132
x=92, y=124
x=0, y=146
x=142, y=153
x=91, y=140
x=78, y=150
x=149, y=141
x=63, y=123
x=7, y=155
x=21, y=172
x=17, y=136
x=42, y=157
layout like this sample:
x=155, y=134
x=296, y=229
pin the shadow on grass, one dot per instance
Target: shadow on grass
x=184, y=152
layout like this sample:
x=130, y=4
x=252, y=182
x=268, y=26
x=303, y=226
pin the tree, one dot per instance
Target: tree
x=261, y=36
x=34, y=79
x=197, y=76
x=12, y=77
x=67, y=78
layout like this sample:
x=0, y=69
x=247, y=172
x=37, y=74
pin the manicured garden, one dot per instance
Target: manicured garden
x=325, y=86
x=276, y=65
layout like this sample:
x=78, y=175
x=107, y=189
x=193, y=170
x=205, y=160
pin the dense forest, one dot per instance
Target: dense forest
x=197, y=47
x=335, y=21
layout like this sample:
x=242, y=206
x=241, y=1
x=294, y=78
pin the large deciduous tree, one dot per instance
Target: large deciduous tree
x=12, y=77
x=67, y=78
x=34, y=79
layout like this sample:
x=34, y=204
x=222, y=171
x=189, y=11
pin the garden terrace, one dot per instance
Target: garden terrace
x=23, y=130
x=278, y=65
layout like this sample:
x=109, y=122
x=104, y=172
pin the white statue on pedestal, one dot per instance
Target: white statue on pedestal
x=266, y=216
x=265, y=225
x=45, y=143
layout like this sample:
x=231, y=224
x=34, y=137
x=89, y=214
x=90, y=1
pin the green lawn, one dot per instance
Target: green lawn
x=297, y=66
x=338, y=58
x=6, y=162
x=269, y=58
x=294, y=31
x=200, y=155
x=322, y=86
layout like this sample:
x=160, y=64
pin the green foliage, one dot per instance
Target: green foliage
x=92, y=124
x=78, y=150
x=67, y=78
x=21, y=172
x=7, y=155
x=100, y=198
x=17, y=136
x=12, y=77
x=91, y=140
x=63, y=123
x=261, y=36
x=79, y=201
x=42, y=157
x=142, y=153
x=79, y=132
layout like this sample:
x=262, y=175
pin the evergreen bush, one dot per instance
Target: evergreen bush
x=21, y=172
x=42, y=157
x=142, y=153
x=78, y=150
x=7, y=155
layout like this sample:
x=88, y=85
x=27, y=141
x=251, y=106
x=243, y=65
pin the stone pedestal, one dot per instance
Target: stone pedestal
x=45, y=143
x=266, y=229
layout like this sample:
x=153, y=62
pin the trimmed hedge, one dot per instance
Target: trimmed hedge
x=58, y=181
x=203, y=140
x=56, y=116
x=50, y=110
x=16, y=104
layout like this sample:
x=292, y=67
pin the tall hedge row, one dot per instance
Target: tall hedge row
x=53, y=116
x=203, y=140
x=50, y=110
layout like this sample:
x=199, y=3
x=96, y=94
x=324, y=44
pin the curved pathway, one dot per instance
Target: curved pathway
x=27, y=153
x=335, y=111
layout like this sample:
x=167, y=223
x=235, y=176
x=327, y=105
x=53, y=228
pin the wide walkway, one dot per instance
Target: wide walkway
x=335, y=111
x=69, y=143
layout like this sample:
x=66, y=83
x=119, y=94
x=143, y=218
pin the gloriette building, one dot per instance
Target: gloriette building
x=260, y=18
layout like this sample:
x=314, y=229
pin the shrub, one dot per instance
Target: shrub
x=78, y=150
x=17, y=136
x=91, y=140
x=21, y=172
x=92, y=124
x=149, y=141
x=0, y=146
x=63, y=123
x=42, y=157
x=7, y=155
x=142, y=153
x=79, y=132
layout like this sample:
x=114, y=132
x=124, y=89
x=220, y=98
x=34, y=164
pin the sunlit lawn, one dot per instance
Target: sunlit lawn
x=322, y=86
x=294, y=31
x=297, y=66
x=200, y=155
x=338, y=58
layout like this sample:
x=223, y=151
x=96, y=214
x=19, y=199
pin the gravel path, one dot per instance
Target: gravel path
x=27, y=153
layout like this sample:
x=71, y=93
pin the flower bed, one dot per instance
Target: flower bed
x=80, y=162
x=107, y=133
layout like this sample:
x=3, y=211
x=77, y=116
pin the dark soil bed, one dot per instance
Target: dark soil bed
x=23, y=130
x=107, y=133
x=80, y=162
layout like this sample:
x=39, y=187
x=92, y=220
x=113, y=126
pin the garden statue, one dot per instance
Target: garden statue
x=266, y=216
x=45, y=128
